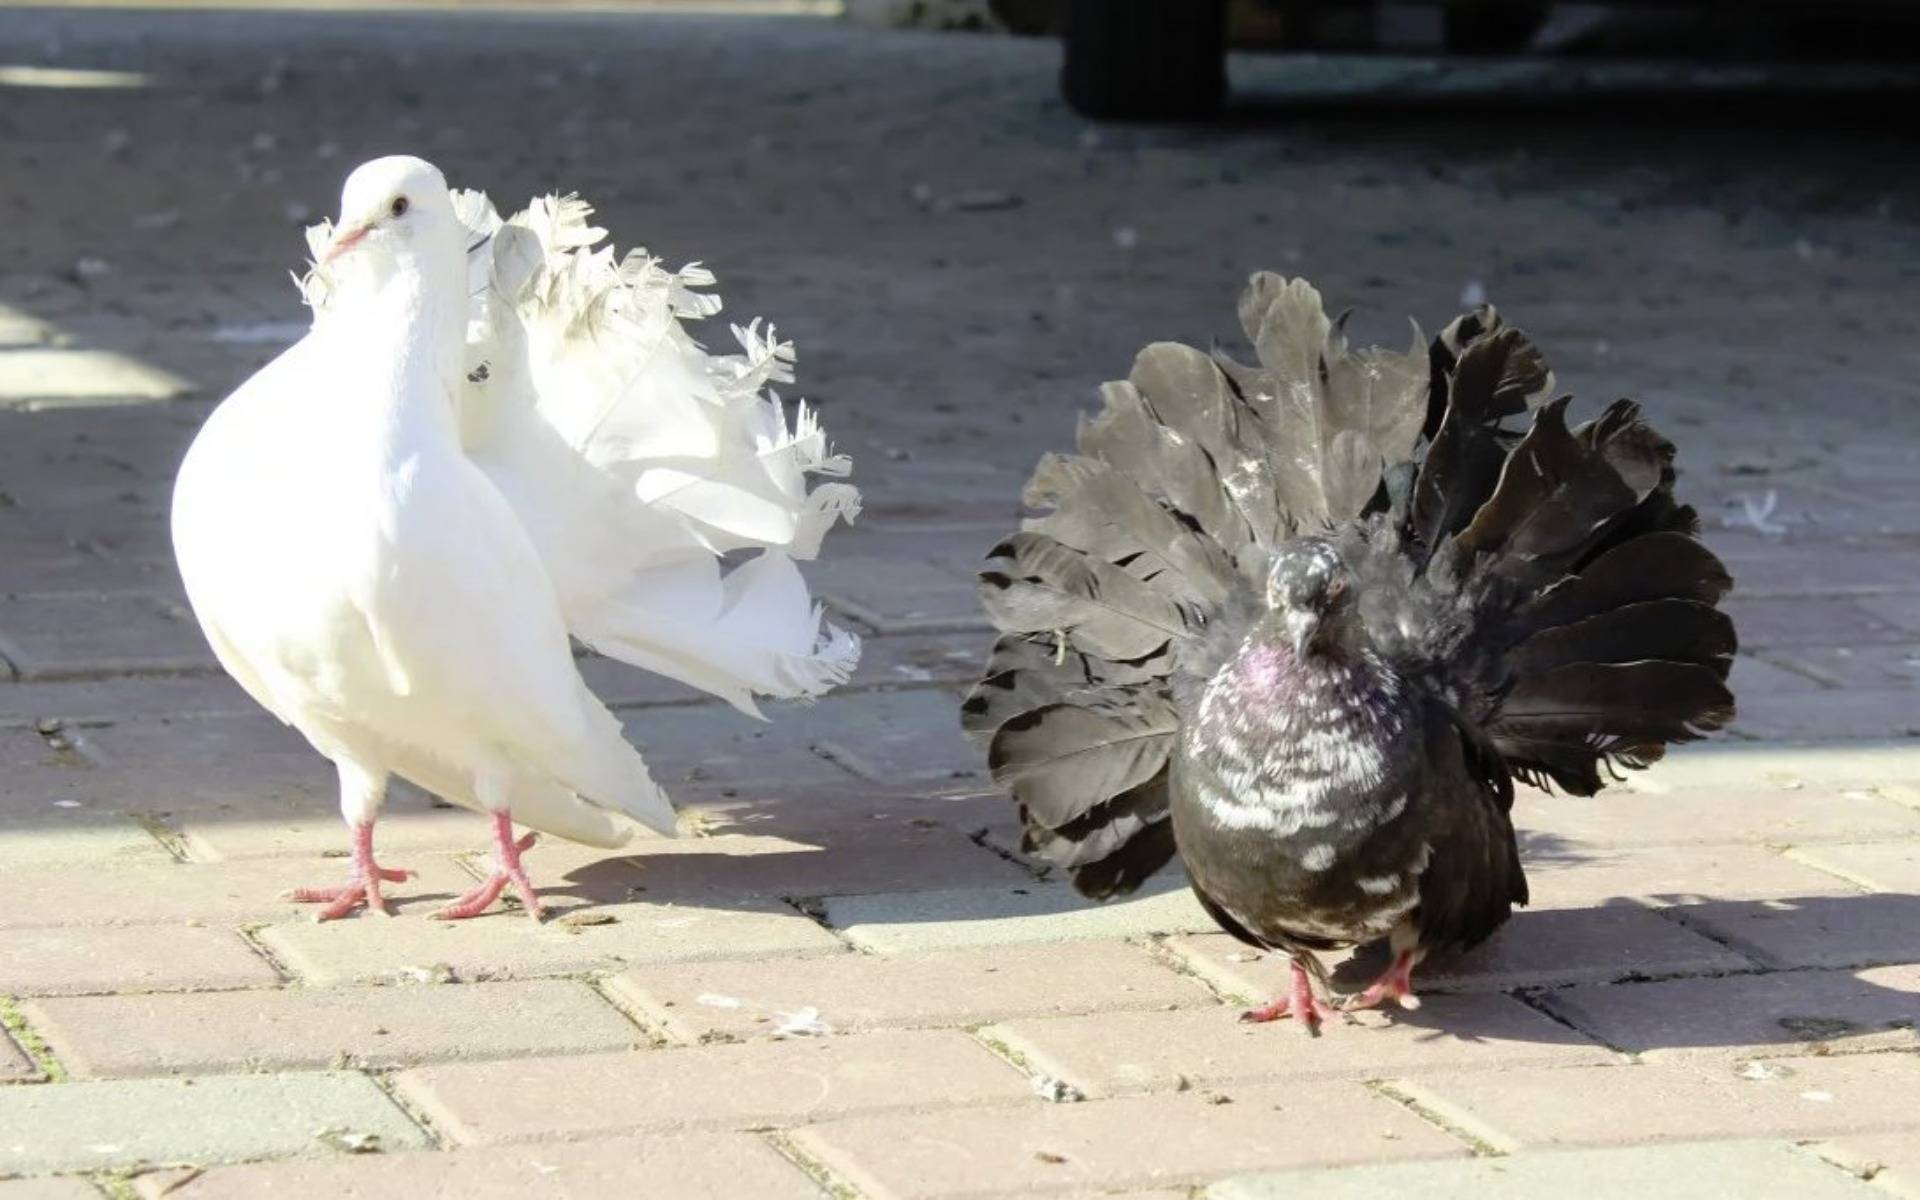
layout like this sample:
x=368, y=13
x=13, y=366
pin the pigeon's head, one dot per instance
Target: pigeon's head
x=392, y=209
x=1307, y=588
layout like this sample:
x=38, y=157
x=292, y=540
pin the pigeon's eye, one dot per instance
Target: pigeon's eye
x=1336, y=588
x=399, y=206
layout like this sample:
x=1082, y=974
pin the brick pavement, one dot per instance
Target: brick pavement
x=849, y=983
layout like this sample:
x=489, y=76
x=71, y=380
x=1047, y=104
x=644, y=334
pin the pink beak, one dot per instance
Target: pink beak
x=343, y=241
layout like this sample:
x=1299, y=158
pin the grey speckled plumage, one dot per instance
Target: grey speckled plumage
x=1303, y=623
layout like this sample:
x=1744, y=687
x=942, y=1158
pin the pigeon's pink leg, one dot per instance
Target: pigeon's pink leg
x=362, y=886
x=1299, y=1002
x=1395, y=985
x=507, y=870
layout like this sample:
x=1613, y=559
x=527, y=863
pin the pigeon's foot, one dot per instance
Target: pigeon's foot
x=362, y=885
x=507, y=871
x=1299, y=1002
x=1395, y=985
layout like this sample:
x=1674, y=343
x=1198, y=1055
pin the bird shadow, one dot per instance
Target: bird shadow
x=1794, y=975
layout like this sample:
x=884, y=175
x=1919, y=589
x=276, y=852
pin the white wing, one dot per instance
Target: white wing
x=638, y=461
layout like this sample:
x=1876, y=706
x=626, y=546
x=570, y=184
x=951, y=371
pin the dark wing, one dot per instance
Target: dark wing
x=1473, y=877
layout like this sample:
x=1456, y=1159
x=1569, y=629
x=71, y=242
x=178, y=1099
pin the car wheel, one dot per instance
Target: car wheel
x=1145, y=59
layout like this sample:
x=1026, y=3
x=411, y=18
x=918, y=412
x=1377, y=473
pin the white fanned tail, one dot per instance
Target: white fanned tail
x=642, y=465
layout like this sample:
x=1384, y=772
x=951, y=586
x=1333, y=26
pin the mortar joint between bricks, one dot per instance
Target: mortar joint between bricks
x=14, y=1022
x=119, y=1184
x=384, y=1080
x=250, y=934
x=157, y=829
x=1531, y=997
x=655, y=1037
x=1155, y=945
x=1479, y=1146
x=1007, y=1054
x=814, y=908
x=1798, y=854
x=829, y=1181
x=1676, y=913
x=1041, y=872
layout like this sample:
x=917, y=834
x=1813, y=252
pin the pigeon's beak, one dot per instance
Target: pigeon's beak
x=1302, y=626
x=344, y=239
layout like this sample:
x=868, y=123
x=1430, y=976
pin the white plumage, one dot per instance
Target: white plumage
x=498, y=434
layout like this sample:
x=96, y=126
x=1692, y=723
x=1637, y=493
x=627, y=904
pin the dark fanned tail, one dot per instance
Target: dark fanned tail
x=1542, y=578
x=1593, y=641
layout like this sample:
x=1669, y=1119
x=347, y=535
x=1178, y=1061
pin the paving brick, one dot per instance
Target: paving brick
x=46, y=778
x=51, y=375
x=1815, y=931
x=1835, y=666
x=698, y=1166
x=911, y=659
x=710, y=1086
x=251, y=764
x=700, y=749
x=1780, y=672
x=909, y=922
x=123, y=697
x=1113, y=1054
x=51, y=1187
x=1724, y=766
x=1106, y=1145
x=1890, y=1160
x=1899, y=608
x=229, y=837
x=89, y=1126
x=223, y=893
x=71, y=960
x=853, y=993
x=198, y=741
x=1883, y=712
x=1750, y=1015
x=1661, y=876
x=1789, y=1097
x=1761, y=815
x=58, y=839
x=808, y=811
x=374, y=1028
x=14, y=1063
x=1768, y=621
x=1750, y=1170
x=904, y=737
x=1821, y=566
x=1883, y=866
x=81, y=634
x=506, y=945
x=912, y=737
x=1537, y=948
x=903, y=598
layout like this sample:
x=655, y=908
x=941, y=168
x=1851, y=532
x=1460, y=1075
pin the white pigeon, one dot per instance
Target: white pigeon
x=496, y=435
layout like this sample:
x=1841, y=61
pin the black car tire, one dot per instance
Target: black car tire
x=1145, y=59
x=1492, y=26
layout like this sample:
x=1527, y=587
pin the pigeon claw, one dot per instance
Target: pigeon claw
x=1396, y=985
x=506, y=871
x=362, y=888
x=1299, y=1003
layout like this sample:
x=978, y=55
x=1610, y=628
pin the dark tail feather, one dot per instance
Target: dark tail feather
x=1585, y=568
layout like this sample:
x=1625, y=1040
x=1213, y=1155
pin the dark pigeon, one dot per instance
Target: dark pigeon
x=1304, y=623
